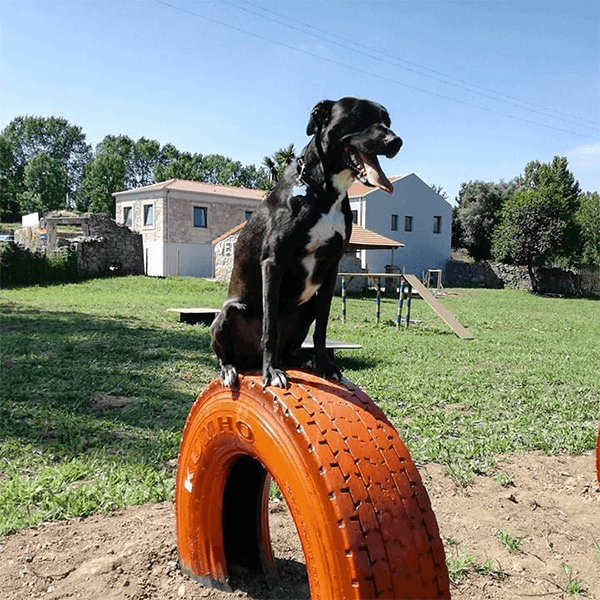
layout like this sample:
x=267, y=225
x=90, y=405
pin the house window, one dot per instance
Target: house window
x=394, y=222
x=127, y=216
x=148, y=215
x=247, y=214
x=408, y=223
x=200, y=216
x=355, y=216
x=437, y=224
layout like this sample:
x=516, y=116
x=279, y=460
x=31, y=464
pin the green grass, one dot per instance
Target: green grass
x=527, y=382
x=573, y=587
x=464, y=563
x=509, y=540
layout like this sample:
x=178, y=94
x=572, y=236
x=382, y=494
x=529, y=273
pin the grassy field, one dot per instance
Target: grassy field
x=97, y=379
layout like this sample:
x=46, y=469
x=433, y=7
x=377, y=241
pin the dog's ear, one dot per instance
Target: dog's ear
x=320, y=114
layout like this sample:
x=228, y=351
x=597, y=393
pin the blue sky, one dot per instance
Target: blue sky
x=476, y=88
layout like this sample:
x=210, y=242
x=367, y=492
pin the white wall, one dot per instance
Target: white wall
x=423, y=249
x=191, y=260
x=154, y=258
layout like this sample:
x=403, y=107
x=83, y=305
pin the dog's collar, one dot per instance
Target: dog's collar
x=306, y=180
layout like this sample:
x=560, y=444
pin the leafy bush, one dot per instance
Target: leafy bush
x=20, y=266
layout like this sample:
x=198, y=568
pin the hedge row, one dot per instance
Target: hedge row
x=21, y=266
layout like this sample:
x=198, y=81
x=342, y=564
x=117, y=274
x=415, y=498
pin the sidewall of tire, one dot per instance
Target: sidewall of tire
x=223, y=427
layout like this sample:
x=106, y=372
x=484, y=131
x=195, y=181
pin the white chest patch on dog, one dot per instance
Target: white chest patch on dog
x=322, y=231
x=327, y=226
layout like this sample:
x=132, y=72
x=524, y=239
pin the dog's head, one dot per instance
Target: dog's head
x=352, y=132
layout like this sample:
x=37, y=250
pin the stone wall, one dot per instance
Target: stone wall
x=103, y=247
x=575, y=282
x=223, y=256
x=109, y=247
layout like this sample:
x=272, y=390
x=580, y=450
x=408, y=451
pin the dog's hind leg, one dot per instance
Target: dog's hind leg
x=222, y=341
x=323, y=365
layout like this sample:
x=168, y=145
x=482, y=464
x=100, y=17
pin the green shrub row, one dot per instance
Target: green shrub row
x=21, y=266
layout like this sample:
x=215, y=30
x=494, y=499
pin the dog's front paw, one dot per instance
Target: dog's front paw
x=229, y=376
x=274, y=377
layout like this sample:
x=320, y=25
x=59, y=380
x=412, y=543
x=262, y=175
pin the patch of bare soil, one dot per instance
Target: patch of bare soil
x=553, y=505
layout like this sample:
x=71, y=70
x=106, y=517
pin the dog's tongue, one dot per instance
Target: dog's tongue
x=375, y=175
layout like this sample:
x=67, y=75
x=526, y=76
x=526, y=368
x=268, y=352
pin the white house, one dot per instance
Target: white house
x=178, y=220
x=413, y=214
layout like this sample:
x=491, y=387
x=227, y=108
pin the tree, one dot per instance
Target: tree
x=530, y=232
x=44, y=182
x=145, y=156
x=588, y=220
x=558, y=184
x=457, y=232
x=9, y=205
x=276, y=163
x=140, y=158
x=439, y=189
x=26, y=137
x=103, y=176
x=174, y=164
x=477, y=215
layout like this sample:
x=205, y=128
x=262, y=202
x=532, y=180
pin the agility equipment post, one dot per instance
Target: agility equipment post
x=361, y=511
x=598, y=457
x=343, y=298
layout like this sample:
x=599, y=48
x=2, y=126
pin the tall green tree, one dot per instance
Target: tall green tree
x=530, y=232
x=140, y=158
x=145, y=156
x=26, y=137
x=588, y=220
x=103, y=176
x=44, y=182
x=477, y=214
x=174, y=164
x=9, y=204
x=556, y=182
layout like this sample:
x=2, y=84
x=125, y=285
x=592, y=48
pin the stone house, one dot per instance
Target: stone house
x=178, y=220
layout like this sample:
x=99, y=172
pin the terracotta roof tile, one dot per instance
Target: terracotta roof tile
x=228, y=233
x=185, y=185
x=362, y=237
x=358, y=189
x=359, y=238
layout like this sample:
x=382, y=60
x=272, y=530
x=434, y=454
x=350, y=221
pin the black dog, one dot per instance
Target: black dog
x=287, y=255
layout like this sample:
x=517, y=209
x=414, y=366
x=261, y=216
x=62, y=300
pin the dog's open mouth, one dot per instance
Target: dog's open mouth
x=366, y=168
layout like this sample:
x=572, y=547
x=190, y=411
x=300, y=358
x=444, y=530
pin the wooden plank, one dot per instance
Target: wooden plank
x=442, y=312
x=191, y=316
x=308, y=344
x=330, y=345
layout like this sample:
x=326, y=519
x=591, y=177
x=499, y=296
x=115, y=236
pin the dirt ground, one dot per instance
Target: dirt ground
x=553, y=505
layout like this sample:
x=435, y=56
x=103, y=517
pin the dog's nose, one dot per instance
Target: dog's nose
x=393, y=145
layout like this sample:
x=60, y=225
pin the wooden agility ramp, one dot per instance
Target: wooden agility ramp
x=442, y=312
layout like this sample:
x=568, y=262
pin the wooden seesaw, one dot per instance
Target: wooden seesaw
x=360, y=508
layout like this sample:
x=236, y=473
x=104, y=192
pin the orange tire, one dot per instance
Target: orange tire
x=362, y=514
